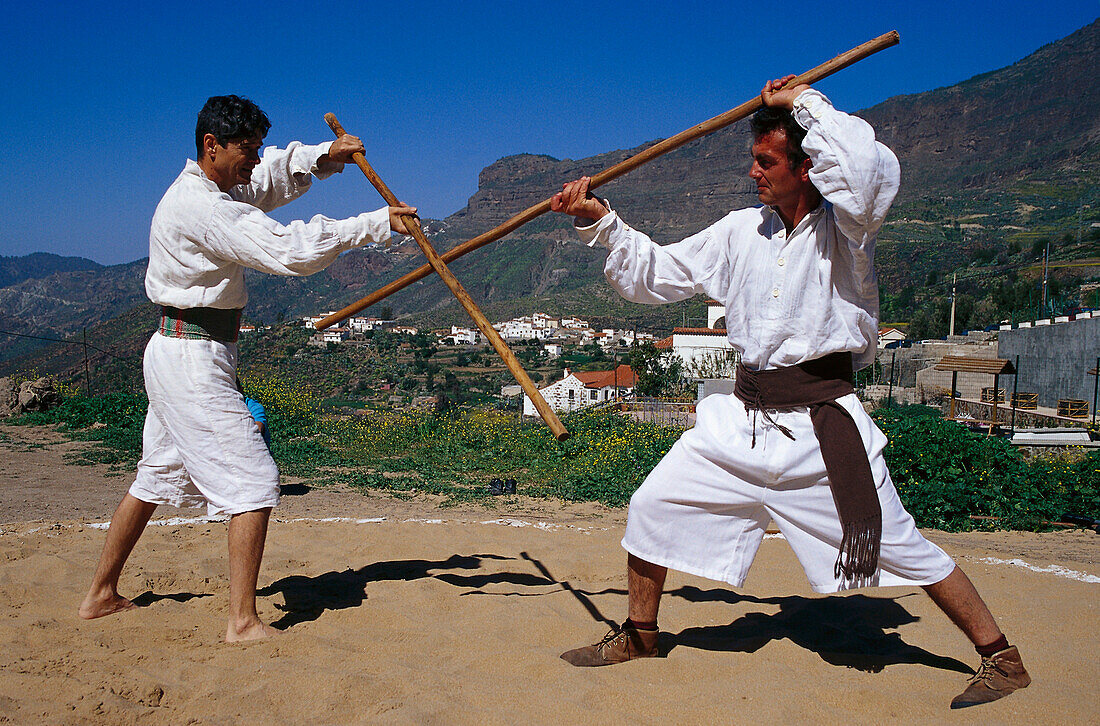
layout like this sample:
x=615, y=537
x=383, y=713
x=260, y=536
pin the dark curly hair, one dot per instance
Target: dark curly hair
x=770, y=119
x=230, y=118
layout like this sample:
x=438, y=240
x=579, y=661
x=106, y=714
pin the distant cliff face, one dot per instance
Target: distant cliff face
x=679, y=192
x=1034, y=117
x=36, y=265
x=74, y=294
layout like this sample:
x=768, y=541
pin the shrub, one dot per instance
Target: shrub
x=944, y=473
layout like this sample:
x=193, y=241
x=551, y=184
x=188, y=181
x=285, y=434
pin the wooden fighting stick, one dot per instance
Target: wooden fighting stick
x=436, y=263
x=711, y=125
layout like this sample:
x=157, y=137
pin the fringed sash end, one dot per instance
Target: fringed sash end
x=857, y=561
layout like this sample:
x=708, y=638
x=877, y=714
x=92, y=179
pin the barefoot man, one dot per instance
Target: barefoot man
x=200, y=445
x=792, y=443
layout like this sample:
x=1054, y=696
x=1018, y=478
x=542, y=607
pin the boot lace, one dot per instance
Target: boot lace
x=611, y=637
x=985, y=671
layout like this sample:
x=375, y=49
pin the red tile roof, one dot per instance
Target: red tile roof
x=699, y=331
x=623, y=376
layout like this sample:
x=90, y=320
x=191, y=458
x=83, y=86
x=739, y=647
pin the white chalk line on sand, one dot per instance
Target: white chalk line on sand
x=208, y=519
x=1050, y=569
x=1057, y=570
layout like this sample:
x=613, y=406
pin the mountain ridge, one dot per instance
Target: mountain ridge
x=990, y=167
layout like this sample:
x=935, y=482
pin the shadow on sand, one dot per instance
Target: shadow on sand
x=293, y=490
x=149, y=597
x=307, y=597
x=843, y=630
x=848, y=631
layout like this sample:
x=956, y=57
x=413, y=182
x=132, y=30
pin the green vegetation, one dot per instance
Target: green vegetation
x=993, y=241
x=115, y=420
x=944, y=473
x=658, y=374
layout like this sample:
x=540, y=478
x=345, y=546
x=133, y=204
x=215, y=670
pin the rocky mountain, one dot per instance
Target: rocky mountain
x=55, y=297
x=40, y=264
x=995, y=162
x=991, y=167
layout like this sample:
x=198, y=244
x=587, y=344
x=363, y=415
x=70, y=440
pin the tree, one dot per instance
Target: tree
x=1039, y=247
x=985, y=313
x=658, y=372
x=964, y=308
x=982, y=256
x=920, y=325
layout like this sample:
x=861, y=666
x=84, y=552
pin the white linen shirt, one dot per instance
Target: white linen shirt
x=202, y=238
x=789, y=299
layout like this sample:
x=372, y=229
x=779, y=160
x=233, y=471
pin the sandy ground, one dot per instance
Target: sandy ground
x=428, y=615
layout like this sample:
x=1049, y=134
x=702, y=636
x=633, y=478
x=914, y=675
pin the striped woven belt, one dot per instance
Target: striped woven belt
x=200, y=323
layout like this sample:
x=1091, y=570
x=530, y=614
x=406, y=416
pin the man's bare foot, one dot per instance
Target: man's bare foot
x=97, y=605
x=255, y=630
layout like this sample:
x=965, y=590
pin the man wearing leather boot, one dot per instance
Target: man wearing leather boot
x=792, y=444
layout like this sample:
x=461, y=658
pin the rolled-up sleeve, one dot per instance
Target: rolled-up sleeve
x=854, y=172
x=243, y=234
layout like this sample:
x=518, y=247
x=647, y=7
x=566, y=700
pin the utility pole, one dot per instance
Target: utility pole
x=890, y=390
x=951, y=327
x=1046, y=262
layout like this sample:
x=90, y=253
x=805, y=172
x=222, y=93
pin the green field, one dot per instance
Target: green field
x=944, y=473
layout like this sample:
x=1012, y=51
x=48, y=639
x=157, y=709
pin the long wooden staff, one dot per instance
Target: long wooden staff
x=413, y=225
x=718, y=122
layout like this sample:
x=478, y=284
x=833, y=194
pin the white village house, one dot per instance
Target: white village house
x=889, y=335
x=335, y=335
x=310, y=321
x=523, y=329
x=584, y=388
x=463, y=336
x=699, y=348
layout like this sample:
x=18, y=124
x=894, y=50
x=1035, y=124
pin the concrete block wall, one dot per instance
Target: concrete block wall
x=1054, y=359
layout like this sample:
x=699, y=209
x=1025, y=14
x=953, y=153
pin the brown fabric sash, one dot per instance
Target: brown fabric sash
x=817, y=384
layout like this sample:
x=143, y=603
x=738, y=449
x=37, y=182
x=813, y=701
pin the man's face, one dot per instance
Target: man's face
x=235, y=161
x=777, y=185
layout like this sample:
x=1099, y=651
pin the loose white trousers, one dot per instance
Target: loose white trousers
x=200, y=444
x=705, y=507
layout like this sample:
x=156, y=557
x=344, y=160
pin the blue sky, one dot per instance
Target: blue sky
x=100, y=99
